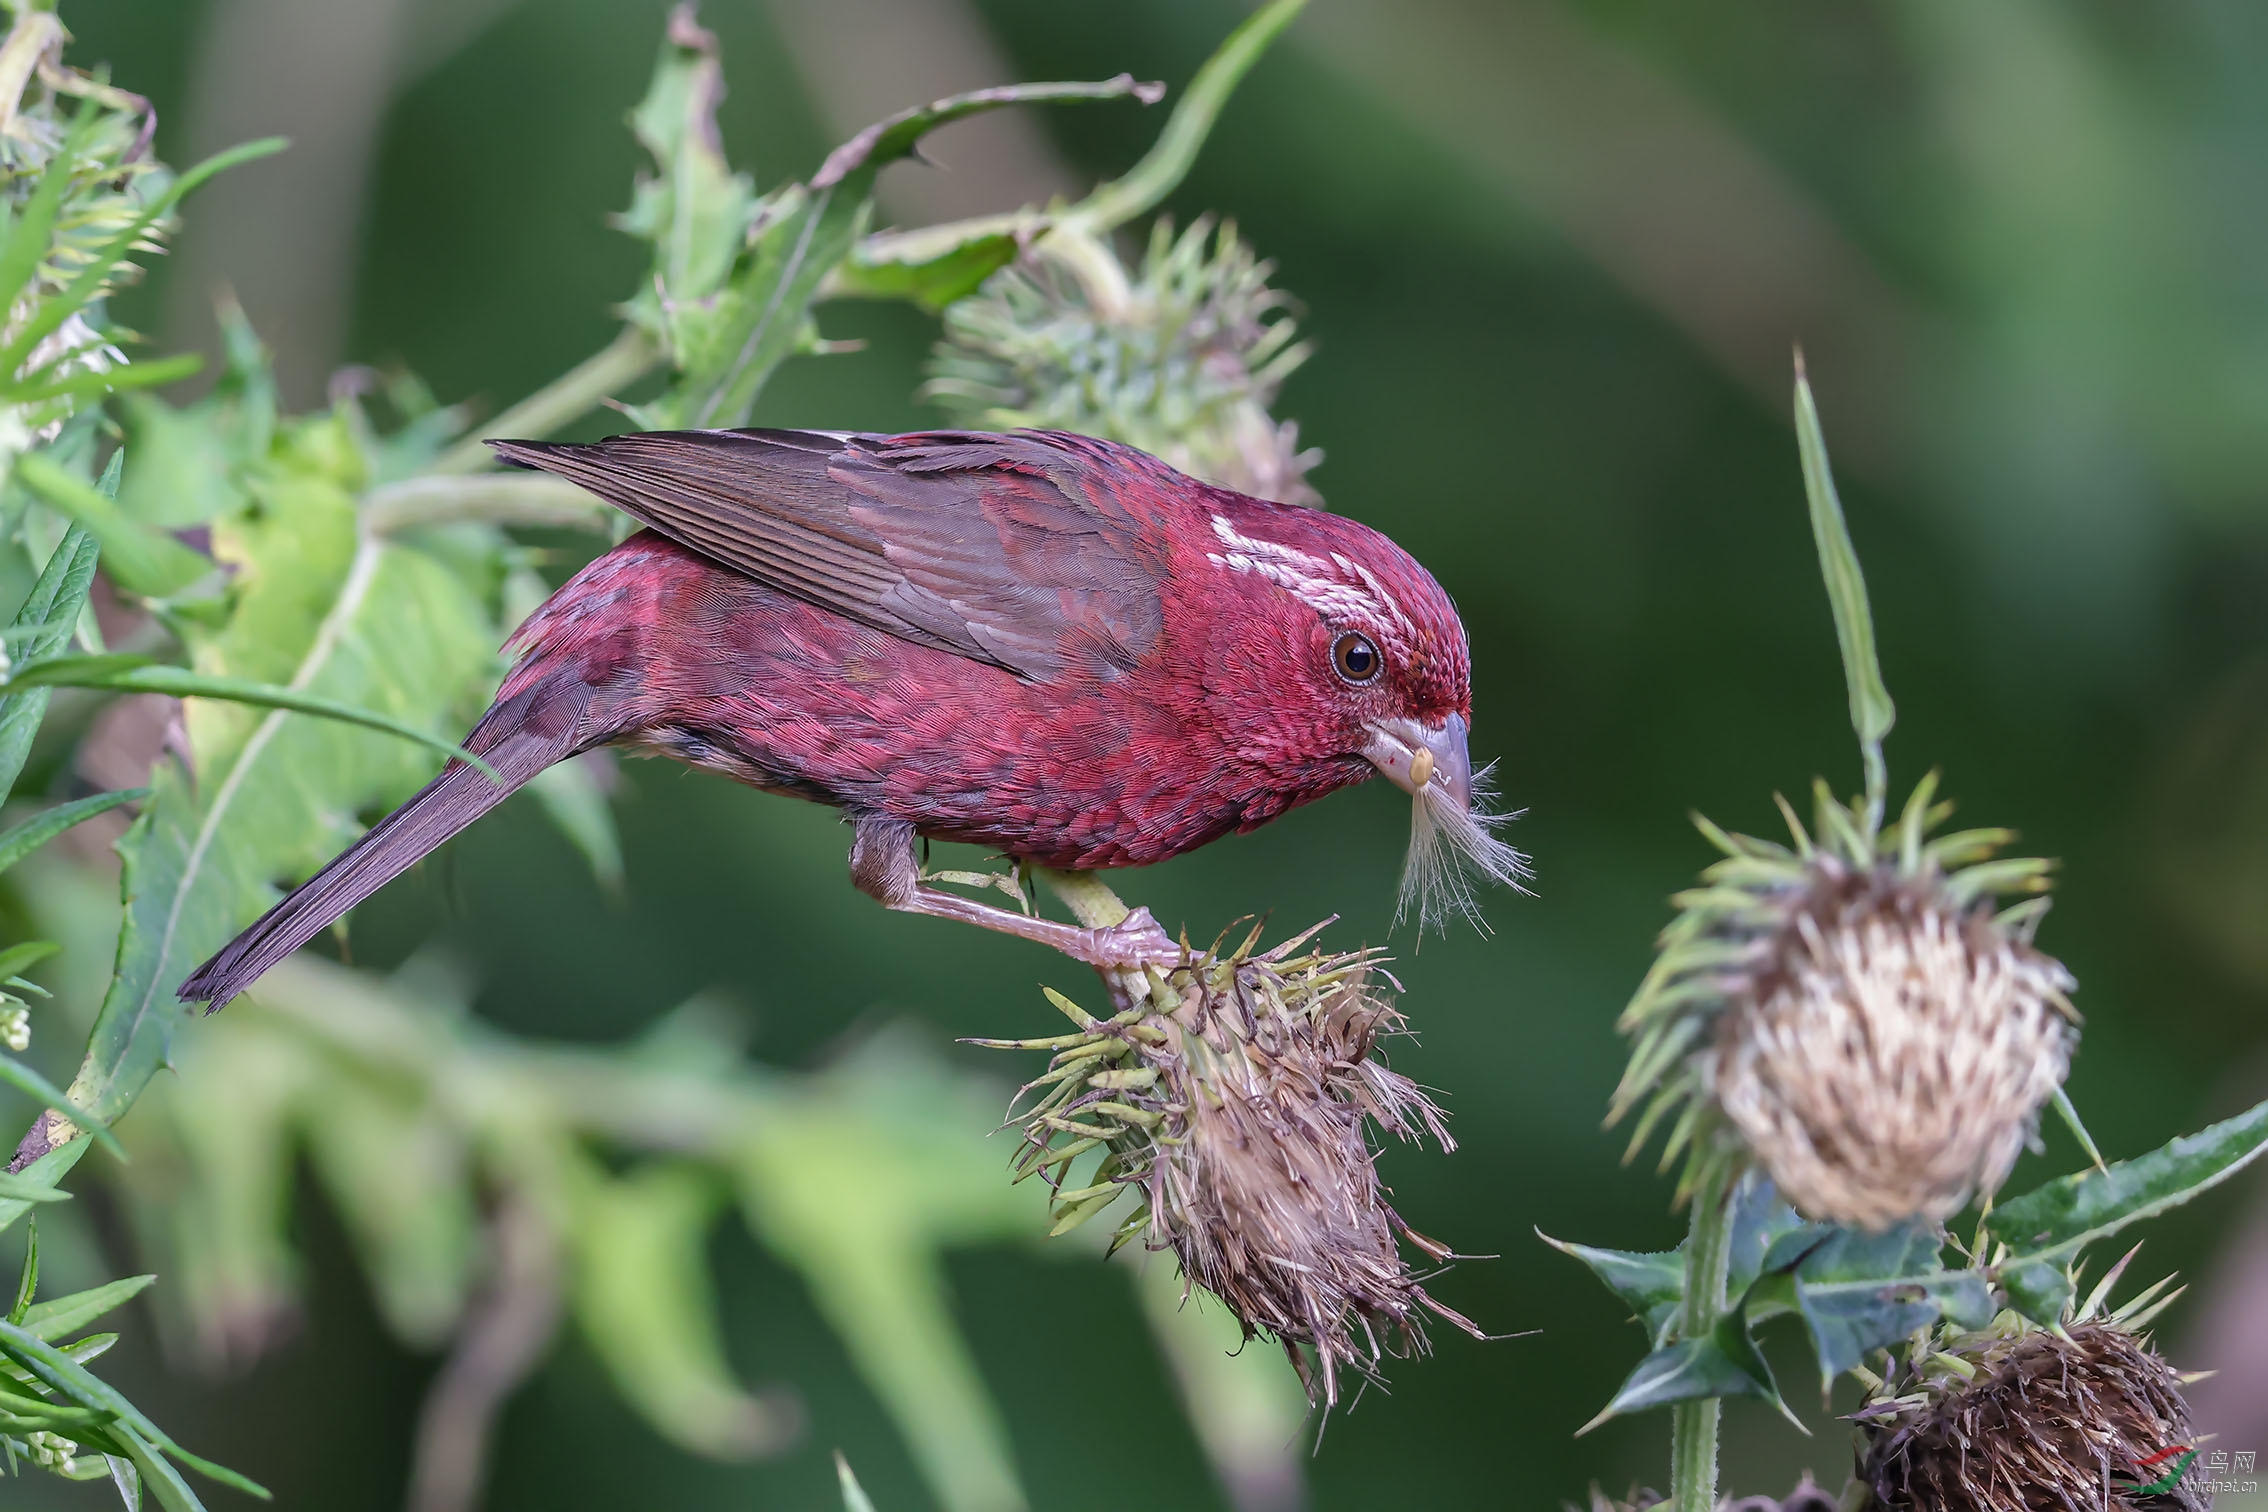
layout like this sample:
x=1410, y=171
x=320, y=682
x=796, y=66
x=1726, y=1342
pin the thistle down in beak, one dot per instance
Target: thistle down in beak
x=1452, y=832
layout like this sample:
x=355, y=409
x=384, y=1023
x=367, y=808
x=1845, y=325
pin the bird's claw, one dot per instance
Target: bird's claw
x=1126, y=952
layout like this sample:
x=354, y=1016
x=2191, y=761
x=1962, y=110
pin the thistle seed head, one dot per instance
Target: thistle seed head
x=1234, y=1107
x=1182, y=358
x=1853, y=1015
x=1806, y=1497
x=2025, y=1419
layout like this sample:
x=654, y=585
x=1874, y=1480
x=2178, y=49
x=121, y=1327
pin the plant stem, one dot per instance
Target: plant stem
x=622, y=362
x=1088, y=897
x=1708, y=1254
x=498, y=499
x=1167, y=162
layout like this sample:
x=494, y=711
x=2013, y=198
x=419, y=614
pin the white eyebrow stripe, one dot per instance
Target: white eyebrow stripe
x=1309, y=578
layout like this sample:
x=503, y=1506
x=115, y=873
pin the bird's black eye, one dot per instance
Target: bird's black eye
x=1354, y=658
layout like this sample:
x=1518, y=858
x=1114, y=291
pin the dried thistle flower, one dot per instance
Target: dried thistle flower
x=2019, y=1418
x=1233, y=1103
x=1806, y=1497
x=1853, y=1015
x=1183, y=358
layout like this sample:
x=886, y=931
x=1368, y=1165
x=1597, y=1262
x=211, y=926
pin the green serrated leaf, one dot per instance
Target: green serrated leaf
x=1727, y=1363
x=1860, y=1292
x=727, y=345
x=327, y=613
x=2053, y=1223
x=1761, y=1220
x=1652, y=1285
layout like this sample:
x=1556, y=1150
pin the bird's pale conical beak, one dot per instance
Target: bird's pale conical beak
x=1415, y=756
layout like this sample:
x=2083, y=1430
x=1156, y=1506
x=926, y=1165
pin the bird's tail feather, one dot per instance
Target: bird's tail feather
x=519, y=737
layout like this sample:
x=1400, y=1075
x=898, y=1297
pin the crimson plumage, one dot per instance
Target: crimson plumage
x=1049, y=645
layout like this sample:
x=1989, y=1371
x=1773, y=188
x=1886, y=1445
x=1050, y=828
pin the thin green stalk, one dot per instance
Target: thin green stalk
x=1708, y=1255
x=1088, y=897
x=1165, y=165
x=622, y=362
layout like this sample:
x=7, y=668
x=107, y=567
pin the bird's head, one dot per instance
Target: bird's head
x=1364, y=667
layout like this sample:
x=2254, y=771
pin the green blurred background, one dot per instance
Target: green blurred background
x=1554, y=256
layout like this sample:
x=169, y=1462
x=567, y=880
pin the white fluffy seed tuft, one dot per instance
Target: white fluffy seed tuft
x=1452, y=849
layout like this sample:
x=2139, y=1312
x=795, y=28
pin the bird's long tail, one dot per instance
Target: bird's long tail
x=523, y=733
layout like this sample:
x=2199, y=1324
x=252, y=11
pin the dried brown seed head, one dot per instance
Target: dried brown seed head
x=2027, y=1420
x=1236, y=1104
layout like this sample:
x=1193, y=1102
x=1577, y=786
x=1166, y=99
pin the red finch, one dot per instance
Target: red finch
x=1050, y=645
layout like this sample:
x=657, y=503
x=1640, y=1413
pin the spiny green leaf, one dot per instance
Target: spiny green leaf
x=1859, y=1292
x=1651, y=1285
x=2055, y=1222
x=22, y=839
x=1724, y=1364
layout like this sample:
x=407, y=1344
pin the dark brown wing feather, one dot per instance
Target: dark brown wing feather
x=1005, y=549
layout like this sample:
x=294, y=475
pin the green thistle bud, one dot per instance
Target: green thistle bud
x=1853, y=1015
x=97, y=137
x=2015, y=1417
x=1233, y=1106
x=1182, y=359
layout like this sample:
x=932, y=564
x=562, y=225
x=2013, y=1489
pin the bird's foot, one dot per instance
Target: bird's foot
x=1127, y=952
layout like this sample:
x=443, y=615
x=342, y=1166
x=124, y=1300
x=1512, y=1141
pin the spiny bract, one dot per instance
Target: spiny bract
x=1182, y=360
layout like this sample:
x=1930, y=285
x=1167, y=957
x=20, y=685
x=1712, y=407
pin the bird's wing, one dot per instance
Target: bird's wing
x=1009, y=549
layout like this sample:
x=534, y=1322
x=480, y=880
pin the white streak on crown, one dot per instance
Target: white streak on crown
x=1352, y=592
